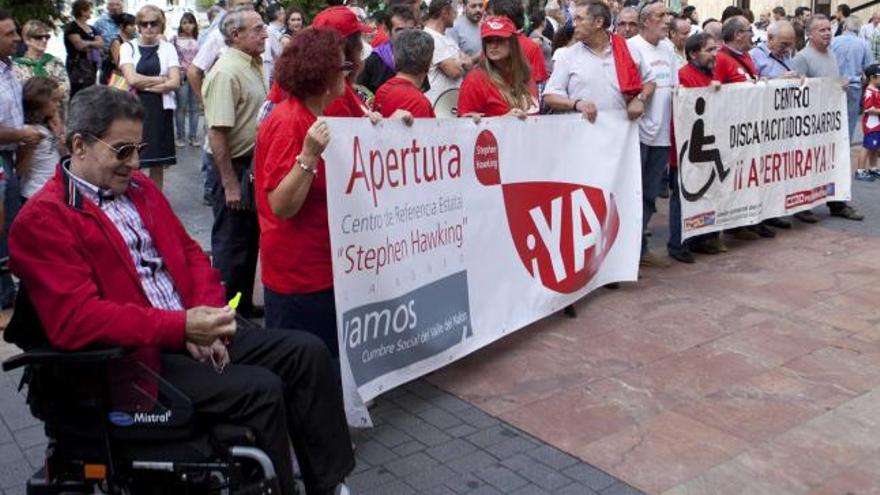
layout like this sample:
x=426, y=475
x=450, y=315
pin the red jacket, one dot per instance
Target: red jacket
x=732, y=67
x=688, y=77
x=81, y=278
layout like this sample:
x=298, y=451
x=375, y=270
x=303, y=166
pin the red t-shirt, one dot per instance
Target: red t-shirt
x=347, y=105
x=479, y=95
x=692, y=77
x=871, y=99
x=535, y=56
x=731, y=67
x=689, y=77
x=398, y=93
x=295, y=252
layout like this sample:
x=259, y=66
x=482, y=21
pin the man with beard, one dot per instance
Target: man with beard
x=700, y=50
x=466, y=30
x=379, y=66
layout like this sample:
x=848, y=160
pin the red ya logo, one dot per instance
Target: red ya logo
x=561, y=231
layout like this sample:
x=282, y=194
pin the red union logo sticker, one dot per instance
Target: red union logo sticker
x=561, y=231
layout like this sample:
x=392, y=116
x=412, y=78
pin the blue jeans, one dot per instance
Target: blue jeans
x=187, y=104
x=674, y=245
x=314, y=313
x=11, y=204
x=210, y=175
x=654, y=161
x=853, y=105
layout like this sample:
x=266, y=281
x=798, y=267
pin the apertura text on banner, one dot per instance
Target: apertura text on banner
x=749, y=152
x=448, y=235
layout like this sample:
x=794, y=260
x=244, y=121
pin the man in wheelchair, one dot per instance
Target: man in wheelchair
x=105, y=263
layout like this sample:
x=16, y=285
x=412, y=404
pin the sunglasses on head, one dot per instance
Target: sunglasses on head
x=148, y=24
x=124, y=151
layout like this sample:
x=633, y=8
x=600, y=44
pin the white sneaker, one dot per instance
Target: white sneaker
x=180, y=143
x=194, y=142
x=341, y=489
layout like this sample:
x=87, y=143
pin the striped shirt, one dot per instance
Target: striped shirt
x=11, y=111
x=154, y=277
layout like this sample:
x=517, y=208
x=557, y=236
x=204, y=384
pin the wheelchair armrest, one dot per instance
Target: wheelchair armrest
x=62, y=358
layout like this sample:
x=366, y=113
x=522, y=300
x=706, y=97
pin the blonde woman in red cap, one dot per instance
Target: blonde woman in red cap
x=501, y=84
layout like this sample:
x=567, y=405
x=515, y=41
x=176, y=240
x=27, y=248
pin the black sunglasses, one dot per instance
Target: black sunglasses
x=148, y=24
x=124, y=151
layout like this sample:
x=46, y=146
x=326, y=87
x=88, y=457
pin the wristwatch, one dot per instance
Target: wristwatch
x=641, y=97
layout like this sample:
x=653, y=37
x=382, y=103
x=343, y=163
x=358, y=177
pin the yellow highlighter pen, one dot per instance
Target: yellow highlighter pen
x=233, y=303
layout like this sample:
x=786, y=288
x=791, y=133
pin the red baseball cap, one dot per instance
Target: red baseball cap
x=496, y=25
x=340, y=18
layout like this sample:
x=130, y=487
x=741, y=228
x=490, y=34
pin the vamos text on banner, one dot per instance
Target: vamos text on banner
x=749, y=152
x=448, y=235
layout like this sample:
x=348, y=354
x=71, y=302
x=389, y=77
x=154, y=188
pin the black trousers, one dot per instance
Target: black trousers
x=280, y=383
x=314, y=313
x=235, y=242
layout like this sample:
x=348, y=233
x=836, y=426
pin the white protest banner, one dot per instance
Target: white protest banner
x=749, y=152
x=448, y=235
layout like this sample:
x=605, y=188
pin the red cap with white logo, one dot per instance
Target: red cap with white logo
x=496, y=25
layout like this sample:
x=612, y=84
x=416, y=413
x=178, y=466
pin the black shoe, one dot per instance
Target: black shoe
x=684, y=256
x=779, y=223
x=763, y=231
x=807, y=217
x=612, y=286
x=703, y=248
x=849, y=213
x=569, y=311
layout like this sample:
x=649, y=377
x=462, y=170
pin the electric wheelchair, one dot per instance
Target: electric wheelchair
x=95, y=449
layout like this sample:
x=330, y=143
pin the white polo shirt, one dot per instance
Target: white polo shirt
x=579, y=73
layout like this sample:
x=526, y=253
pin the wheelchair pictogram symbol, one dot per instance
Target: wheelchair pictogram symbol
x=698, y=152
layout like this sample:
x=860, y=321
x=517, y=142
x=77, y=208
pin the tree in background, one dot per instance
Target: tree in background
x=41, y=10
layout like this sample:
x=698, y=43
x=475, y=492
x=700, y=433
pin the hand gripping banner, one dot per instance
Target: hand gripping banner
x=448, y=235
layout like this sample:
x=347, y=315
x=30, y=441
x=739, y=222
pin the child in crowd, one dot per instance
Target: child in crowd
x=867, y=166
x=187, y=45
x=36, y=164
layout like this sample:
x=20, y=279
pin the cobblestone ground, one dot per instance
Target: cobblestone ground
x=425, y=441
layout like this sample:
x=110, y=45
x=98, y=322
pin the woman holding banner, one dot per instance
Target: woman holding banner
x=501, y=85
x=290, y=188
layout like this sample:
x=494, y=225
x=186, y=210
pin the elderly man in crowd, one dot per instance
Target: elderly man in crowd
x=655, y=57
x=412, y=55
x=106, y=262
x=679, y=30
x=853, y=56
x=627, y=22
x=817, y=60
x=233, y=93
x=774, y=58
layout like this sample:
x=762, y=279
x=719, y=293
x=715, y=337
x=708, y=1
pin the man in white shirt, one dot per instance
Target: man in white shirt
x=655, y=55
x=446, y=66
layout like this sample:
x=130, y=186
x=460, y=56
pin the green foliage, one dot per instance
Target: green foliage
x=26, y=10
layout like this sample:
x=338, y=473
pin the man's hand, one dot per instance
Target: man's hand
x=476, y=117
x=204, y=325
x=375, y=117
x=635, y=108
x=232, y=191
x=403, y=115
x=716, y=85
x=588, y=110
x=30, y=135
x=216, y=354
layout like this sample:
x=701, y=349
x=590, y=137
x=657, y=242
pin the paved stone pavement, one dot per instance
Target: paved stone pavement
x=426, y=441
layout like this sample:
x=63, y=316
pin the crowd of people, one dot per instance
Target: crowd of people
x=129, y=94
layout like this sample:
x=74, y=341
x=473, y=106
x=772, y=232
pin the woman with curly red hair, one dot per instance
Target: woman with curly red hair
x=290, y=187
x=501, y=84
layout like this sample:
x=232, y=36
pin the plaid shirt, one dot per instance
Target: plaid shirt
x=11, y=111
x=150, y=268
